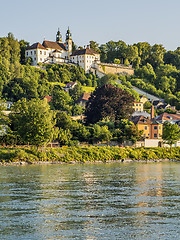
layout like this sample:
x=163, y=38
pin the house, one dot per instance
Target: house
x=85, y=58
x=143, y=99
x=157, y=103
x=171, y=118
x=151, y=128
x=138, y=106
x=51, y=52
x=48, y=98
x=83, y=99
x=70, y=85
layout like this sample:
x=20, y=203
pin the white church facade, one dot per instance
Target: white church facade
x=58, y=52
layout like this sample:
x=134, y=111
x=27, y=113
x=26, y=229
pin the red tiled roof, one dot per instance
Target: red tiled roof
x=85, y=96
x=49, y=98
x=88, y=51
x=35, y=46
x=54, y=45
x=167, y=116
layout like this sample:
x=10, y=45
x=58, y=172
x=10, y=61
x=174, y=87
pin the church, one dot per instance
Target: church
x=50, y=52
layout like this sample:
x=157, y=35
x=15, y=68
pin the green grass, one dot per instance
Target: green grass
x=88, y=89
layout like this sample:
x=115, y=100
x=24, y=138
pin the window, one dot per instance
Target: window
x=27, y=53
x=145, y=127
x=155, y=135
x=159, y=127
x=40, y=59
x=34, y=52
x=31, y=52
x=40, y=52
x=44, y=53
x=34, y=59
x=155, y=127
x=137, y=104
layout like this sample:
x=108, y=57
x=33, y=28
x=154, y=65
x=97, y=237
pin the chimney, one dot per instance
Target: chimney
x=152, y=112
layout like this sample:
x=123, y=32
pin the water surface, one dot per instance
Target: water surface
x=90, y=201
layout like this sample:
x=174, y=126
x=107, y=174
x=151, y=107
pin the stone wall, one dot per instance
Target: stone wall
x=113, y=68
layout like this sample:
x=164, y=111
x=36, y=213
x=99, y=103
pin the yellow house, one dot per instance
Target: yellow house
x=151, y=128
x=138, y=106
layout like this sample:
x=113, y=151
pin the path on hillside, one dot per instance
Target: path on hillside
x=141, y=92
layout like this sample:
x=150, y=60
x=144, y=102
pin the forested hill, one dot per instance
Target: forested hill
x=157, y=71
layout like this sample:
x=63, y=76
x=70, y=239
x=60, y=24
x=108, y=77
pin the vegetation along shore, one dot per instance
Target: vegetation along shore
x=89, y=154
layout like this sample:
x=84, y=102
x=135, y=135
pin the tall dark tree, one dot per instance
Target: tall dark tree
x=108, y=102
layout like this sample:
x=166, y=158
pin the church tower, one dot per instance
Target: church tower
x=69, y=42
x=58, y=37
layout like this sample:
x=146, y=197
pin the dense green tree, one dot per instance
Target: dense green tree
x=108, y=102
x=95, y=46
x=23, y=46
x=61, y=100
x=126, y=131
x=171, y=133
x=33, y=121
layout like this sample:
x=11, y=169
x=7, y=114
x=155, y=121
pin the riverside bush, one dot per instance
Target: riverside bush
x=88, y=153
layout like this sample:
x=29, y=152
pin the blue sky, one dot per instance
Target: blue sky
x=155, y=21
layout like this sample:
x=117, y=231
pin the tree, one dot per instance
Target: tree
x=126, y=131
x=108, y=102
x=33, y=121
x=171, y=133
x=95, y=46
x=61, y=100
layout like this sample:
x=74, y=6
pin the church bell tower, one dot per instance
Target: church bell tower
x=69, y=42
x=58, y=37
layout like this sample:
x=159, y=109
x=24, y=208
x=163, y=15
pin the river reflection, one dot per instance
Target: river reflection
x=90, y=201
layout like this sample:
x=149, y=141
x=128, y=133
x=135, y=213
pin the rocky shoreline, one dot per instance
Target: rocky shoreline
x=25, y=163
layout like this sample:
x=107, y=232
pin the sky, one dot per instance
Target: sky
x=155, y=21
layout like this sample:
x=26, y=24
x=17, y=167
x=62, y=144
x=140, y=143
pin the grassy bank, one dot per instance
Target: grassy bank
x=84, y=154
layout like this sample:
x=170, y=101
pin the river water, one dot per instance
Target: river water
x=90, y=201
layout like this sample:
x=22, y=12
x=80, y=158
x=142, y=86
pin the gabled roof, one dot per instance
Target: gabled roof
x=54, y=45
x=70, y=84
x=85, y=97
x=88, y=51
x=49, y=98
x=36, y=46
x=167, y=116
x=141, y=120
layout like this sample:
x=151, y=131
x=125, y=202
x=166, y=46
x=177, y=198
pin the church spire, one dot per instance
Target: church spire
x=68, y=35
x=58, y=36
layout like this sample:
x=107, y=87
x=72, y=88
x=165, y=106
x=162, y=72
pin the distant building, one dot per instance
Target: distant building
x=83, y=99
x=151, y=128
x=51, y=52
x=171, y=118
x=138, y=106
x=70, y=85
x=85, y=58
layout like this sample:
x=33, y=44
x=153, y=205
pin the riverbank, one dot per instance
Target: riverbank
x=30, y=155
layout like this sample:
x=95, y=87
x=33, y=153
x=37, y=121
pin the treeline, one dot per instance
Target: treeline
x=157, y=71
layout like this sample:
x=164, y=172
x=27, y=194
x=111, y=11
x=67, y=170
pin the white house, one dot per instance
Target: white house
x=85, y=58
